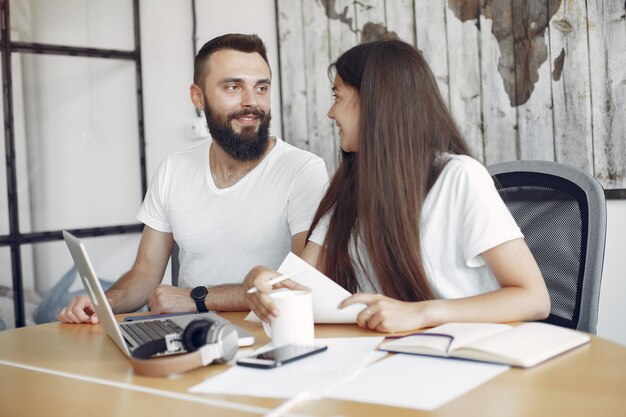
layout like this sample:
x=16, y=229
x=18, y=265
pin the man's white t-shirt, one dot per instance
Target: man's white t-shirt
x=462, y=217
x=223, y=233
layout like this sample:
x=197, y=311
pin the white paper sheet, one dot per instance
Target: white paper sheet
x=314, y=375
x=418, y=382
x=327, y=294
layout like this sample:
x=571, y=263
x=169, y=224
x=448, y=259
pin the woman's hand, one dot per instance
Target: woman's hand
x=259, y=301
x=384, y=314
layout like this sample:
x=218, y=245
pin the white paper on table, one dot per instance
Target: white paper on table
x=327, y=294
x=315, y=375
x=413, y=381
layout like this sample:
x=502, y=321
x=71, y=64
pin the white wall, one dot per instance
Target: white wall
x=612, y=314
x=68, y=150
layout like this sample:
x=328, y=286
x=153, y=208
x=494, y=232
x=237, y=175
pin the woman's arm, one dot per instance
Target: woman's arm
x=259, y=302
x=523, y=296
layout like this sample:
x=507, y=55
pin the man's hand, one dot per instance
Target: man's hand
x=78, y=310
x=169, y=299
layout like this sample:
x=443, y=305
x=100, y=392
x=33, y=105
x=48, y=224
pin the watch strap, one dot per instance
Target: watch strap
x=201, y=306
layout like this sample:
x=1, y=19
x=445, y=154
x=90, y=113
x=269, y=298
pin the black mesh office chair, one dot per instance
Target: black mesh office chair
x=562, y=213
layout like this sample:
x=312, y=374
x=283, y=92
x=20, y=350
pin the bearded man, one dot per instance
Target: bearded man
x=240, y=200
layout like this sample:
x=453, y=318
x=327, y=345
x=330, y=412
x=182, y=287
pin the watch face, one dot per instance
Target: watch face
x=199, y=293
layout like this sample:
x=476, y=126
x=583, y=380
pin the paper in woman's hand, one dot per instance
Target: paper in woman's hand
x=327, y=294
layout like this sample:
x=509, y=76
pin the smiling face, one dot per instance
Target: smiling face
x=236, y=100
x=345, y=111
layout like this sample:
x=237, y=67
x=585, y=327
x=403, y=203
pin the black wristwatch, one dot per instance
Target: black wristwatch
x=199, y=294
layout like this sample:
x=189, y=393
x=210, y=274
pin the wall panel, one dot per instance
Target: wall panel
x=541, y=79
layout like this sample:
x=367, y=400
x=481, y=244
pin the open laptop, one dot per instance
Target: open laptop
x=128, y=336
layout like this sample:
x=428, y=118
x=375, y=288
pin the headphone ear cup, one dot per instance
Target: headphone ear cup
x=195, y=334
x=228, y=338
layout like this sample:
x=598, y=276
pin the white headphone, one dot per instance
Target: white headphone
x=206, y=341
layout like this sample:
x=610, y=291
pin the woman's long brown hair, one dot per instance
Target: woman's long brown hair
x=377, y=193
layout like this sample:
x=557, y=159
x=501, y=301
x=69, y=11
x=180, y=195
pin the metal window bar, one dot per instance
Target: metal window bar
x=15, y=239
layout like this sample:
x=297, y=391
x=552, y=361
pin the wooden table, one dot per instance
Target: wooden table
x=72, y=370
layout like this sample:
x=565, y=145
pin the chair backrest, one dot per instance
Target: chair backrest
x=175, y=265
x=562, y=212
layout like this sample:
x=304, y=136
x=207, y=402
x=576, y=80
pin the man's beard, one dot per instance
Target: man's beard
x=245, y=146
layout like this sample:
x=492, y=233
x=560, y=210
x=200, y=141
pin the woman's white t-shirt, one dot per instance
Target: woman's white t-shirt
x=463, y=216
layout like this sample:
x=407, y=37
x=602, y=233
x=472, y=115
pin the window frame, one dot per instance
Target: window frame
x=15, y=239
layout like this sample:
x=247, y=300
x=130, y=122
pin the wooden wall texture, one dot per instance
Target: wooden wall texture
x=525, y=79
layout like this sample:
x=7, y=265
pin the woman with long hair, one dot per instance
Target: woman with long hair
x=411, y=223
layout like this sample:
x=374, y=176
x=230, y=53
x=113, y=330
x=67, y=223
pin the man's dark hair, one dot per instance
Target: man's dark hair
x=236, y=41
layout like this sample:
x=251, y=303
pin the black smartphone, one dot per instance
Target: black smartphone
x=280, y=356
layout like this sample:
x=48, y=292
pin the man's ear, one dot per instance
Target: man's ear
x=197, y=96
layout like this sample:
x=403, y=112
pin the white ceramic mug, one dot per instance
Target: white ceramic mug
x=294, y=324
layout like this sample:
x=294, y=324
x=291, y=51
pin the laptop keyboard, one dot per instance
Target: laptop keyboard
x=145, y=331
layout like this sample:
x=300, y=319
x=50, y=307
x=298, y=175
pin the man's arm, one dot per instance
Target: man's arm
x=169, y=299
x=227, y=297
x=304, y=200
x=130, y=292
x=298, y=242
